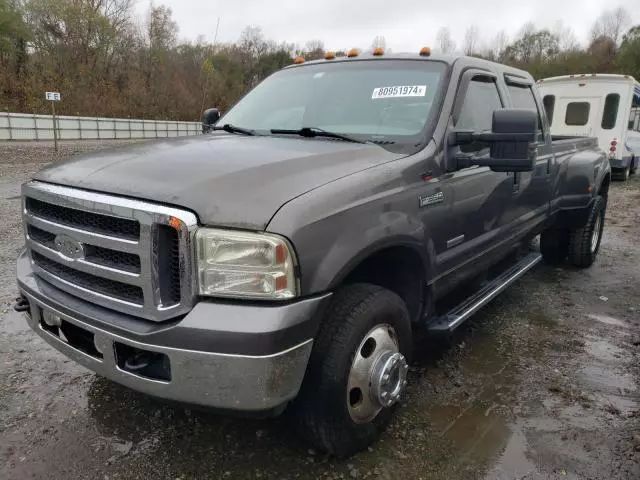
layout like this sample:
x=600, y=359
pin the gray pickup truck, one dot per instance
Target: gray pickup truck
x=285, y=259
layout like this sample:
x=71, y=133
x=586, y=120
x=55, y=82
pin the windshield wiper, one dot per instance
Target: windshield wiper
x=227, y=127
x=315, y=132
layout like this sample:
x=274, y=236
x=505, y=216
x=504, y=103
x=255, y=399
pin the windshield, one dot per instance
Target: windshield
x=372, y=100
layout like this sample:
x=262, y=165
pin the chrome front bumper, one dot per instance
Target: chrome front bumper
x=221, y=380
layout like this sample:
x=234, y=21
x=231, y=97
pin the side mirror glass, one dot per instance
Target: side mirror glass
x=209, y=119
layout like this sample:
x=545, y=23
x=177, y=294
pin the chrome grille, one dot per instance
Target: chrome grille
x=130, y=256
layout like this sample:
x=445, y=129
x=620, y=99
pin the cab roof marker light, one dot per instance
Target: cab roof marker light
x=378, y=51
x=298, y=60
x=425, y=52
x=329, y=55
x=353, y=53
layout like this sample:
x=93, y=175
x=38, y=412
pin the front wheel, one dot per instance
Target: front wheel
x=584, y=243
x=357, y=370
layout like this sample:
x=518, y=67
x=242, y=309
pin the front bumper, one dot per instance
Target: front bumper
x=220, y=354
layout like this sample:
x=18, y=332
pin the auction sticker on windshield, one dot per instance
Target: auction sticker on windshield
x=399, y=91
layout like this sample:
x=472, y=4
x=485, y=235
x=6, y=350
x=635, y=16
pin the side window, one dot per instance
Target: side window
x=522, y=97
x=610, y=112
x=577, y=113
x=481, y=100
x=549, y=102
x=634, y=119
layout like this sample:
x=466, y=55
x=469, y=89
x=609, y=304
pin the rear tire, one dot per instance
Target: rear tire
x=622, y=174
x=584, y=243
x=554, y=245
x=329, y=411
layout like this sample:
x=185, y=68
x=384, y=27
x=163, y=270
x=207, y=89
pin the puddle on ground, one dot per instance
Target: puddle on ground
x=603, y=350
x=513, y=463
x=607, y=320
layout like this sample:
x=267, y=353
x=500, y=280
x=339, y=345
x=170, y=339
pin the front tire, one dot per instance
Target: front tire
x=357, y=370
x=584, y=243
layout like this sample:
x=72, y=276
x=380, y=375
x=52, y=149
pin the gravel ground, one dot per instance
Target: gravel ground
x=542, y=384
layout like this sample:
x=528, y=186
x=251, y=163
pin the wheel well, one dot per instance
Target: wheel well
x=604, y=187
x=399, y=269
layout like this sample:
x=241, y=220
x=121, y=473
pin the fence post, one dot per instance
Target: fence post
x=55, y=130
x=98, y=128
x=9, y=126
x=80, y=127
x=155, y=125
x=35, y=126
x=129, y=128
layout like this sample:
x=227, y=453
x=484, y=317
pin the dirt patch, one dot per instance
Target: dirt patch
x=543, y=383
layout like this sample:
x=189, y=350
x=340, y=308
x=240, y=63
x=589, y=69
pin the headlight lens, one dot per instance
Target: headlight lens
x=245, y=264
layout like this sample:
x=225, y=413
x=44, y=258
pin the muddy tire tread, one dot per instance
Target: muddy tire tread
x=580, y=254
x=313, y=417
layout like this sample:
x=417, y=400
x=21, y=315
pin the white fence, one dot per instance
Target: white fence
x=24, y=126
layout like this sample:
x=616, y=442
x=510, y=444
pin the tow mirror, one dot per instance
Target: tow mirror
x=209, y=119
x=511, y=142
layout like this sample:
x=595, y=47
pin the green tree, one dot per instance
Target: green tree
x=628, y=59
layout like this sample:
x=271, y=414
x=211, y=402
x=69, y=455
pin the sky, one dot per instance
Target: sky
x=406, y=25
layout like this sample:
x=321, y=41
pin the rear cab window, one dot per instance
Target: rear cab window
x=549, y=102
x=522, y=97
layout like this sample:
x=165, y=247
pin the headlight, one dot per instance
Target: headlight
x=245, y=264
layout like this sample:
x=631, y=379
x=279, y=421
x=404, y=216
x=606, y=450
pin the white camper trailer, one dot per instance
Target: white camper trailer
x=598, y=105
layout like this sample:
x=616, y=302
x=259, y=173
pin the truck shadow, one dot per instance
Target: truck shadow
x=201, y=443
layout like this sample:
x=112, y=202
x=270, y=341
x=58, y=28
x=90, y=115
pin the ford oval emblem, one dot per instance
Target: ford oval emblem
x=68, y=247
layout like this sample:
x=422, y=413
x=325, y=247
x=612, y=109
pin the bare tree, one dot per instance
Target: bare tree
x=379, y=42
x=470, y=40
x=566, y=37
x=611, y=24
x=500, y=43
x=445, y=42
x=314, y=50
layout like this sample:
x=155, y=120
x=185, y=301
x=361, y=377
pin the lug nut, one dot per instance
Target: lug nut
x=385, y=378
x=404, y=384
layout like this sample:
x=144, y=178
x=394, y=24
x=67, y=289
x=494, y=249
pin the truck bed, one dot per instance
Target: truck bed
x=579, y=141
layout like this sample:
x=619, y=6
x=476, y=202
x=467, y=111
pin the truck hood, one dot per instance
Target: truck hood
x=227, y=180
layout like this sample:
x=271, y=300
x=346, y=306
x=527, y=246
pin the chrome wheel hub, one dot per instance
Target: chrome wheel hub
x=378, y=374
x=389, y=378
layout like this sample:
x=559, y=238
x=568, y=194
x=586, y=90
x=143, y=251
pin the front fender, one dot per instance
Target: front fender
x=337, y=226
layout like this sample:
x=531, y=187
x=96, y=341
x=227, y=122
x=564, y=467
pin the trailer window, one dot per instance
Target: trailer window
x=577, y=113
x=610, y=113
x=549, y=102
x=634, y=119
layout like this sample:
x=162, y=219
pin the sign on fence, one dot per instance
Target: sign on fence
x=53, y=96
